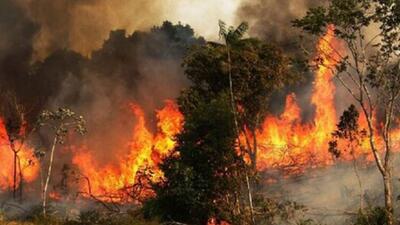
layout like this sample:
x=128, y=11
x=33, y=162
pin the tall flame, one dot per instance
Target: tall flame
x=145, y=150
x=286, y=142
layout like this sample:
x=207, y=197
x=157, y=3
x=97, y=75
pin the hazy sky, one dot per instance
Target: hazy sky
x=83, y=25
x=202, y=15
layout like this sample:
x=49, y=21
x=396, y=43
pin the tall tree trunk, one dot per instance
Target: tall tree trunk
x=15, y=176
x=250, y=199
x=255, y=149
x=46, y=184
x=388, y=186
x=387, y=175
x=233, y=105
x=383, y=167
x=21, y=179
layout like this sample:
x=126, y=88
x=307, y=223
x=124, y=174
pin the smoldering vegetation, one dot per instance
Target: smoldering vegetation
x=331, y=193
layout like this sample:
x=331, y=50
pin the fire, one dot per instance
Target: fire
x=144, y=150
x=214, y=221
x=55, y=196
x=29, y=166
x=286, y=142
x=170, y=123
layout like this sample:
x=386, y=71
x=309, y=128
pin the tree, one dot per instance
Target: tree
x=59, y=122
x=249, y=69
x=349, y=130
x=368, y=68
x=202, y=175
x=232, y=36
x=14, y=115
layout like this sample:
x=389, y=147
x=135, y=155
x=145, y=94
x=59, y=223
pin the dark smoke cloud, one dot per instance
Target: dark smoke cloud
x=17, y=34
x=271, y=19
x=82, y=25
x=142, y=68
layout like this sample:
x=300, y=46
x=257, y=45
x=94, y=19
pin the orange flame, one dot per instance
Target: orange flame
x=286, y=142
x=145, y=150
x=28, y=163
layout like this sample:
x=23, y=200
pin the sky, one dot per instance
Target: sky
x=202, y=15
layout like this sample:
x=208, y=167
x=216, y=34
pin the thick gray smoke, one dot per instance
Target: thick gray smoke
x=141, y=67
x=82, y=25
x=271, y=19
x=332, y=194
x=15, y=44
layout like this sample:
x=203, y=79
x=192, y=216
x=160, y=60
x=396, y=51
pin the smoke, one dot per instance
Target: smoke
x=124, y=67
x=332, y=194
x=15, y=52
x=143, y=68
x=79, y=63
x=83, y=25
x=271, y=19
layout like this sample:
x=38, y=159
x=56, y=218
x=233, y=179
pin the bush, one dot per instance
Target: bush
x=371, y=216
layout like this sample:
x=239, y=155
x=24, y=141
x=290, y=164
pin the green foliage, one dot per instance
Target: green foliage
x=371, y=216
x=257, y=68
x=368, y=67
x=348, y=123
x=94, y=217
x=201, y=175
x=349, y=130
x=272, y=212
x=90, y=217
x=347, y=15
x=35, y=216
x=231, y=34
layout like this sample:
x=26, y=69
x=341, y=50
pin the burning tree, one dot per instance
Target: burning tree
x=348, y=129
x=369, y=69
x=15, y=134
x=59, y=122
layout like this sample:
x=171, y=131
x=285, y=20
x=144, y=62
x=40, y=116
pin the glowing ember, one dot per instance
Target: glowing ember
x=29, y=167
x=55, y=196
x=214, y=221
x=145, y=150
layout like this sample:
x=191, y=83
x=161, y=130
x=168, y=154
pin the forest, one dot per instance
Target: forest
x=275, y=113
